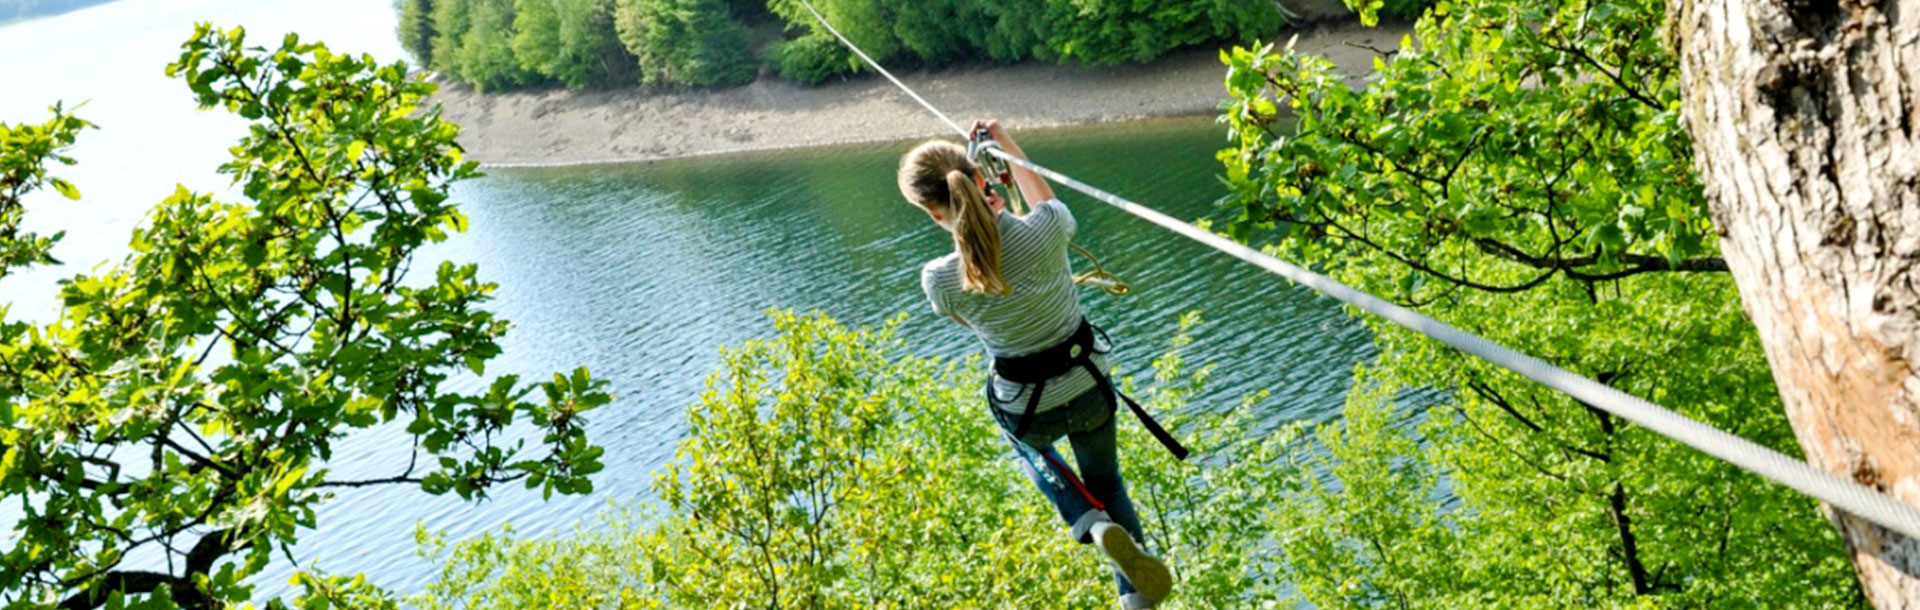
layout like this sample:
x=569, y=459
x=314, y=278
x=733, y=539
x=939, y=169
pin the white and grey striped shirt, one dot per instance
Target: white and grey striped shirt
x=1042, y=310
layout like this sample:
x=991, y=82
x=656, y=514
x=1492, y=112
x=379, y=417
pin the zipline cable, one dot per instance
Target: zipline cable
x=1842, y=494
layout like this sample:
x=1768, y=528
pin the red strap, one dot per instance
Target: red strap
x=1062, y=469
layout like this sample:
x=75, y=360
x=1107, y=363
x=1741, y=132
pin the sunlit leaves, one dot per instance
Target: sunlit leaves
x=25, y=152
x=1517, y=169
x=826, y=468
x=1528, y=133
x=187, y=402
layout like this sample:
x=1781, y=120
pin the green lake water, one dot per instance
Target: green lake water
x=642, y=272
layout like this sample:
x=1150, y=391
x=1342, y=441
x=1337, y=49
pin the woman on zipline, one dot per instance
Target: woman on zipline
x=1009, y=281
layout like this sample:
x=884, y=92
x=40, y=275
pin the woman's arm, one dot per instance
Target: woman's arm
x=1032, y=187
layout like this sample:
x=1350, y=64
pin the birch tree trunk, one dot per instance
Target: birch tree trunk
x=1805, y=115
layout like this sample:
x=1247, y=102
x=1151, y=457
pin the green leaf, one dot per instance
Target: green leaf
x=66, y=188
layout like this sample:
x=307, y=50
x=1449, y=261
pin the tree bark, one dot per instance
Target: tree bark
x=1804, y=115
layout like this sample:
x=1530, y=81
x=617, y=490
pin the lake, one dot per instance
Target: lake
x=641, y=272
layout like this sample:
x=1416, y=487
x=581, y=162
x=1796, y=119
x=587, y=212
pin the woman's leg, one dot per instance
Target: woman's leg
x=1093, y=439
x=1042, y=464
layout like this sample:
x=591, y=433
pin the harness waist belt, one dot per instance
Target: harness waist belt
x=1048, y=363
x=1076, y=351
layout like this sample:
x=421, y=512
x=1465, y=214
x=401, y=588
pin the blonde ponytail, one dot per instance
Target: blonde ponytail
x=976, y=236
x=937, y=177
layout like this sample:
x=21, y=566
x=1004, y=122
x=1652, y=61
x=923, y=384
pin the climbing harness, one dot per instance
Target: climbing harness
x=1842, y=494
x=985, y=153
x=1077, y=351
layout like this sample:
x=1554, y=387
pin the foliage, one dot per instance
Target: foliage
x=702, y=43
x=1524, y=162
x=415, y=29
x=571, y=41
x=1090, y=31
x=24, y=153
x=1114, y=32
x=823, y=469
x=692, y=42
x=810, y=59
x=473, y=42
x=449, y=21
x=865, y=22
x=186, y=402
x=1402, y=9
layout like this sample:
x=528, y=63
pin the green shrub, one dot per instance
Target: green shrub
x=571, y=41
x=415, y=29
x=689, y=42
x=448, y=21
x=824, y=468
x=810, y=59
x=473, y=42
x=1108, y=32
x=1495, y=171
x=1405, y=9
x=934, y=32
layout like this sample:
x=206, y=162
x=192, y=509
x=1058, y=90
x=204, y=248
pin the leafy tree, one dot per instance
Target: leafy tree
x=1518, y=170
x=940, y=31
x=450, y=20
x=824, y=468
x=536, y=35
x=1092, y=31
x=571, y=41
x=810, y=59
x=817, y=52
x=484, y=54
x=1108, y=32
x=702, y=43
x=186, y=402
x=25, y=151
x=416, y=29
x=690, y=42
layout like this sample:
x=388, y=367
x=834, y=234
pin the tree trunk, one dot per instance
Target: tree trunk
x=1804, y=115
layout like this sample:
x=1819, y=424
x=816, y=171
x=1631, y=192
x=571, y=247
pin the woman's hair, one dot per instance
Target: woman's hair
x=937, y=176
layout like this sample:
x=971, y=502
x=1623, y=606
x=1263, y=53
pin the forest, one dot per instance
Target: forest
x=507, y=44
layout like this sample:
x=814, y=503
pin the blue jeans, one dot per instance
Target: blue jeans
x=1088, y=423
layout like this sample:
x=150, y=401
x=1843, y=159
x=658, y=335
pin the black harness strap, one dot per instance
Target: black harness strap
x=1076, y=351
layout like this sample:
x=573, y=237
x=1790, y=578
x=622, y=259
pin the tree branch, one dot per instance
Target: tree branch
x=132, y=581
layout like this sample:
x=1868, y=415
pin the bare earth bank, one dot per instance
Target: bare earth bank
x=561, y=127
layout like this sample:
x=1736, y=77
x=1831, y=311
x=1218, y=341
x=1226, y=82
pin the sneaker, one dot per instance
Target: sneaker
x=1147, y=573
x=1135, y=601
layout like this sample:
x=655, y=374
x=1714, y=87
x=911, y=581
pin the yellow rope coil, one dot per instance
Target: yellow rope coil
x=1098, y=277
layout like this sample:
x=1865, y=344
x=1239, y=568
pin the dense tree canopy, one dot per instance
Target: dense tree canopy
x=186, y=402
x=827, y=468
x=571, y=41
x=707, y=42
x=1519, y=170
x=692, y=42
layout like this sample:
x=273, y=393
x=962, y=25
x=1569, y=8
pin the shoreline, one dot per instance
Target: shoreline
x=559, y=127
x=770, y=149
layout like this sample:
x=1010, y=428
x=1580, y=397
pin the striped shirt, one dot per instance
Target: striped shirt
x=1042, y=310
